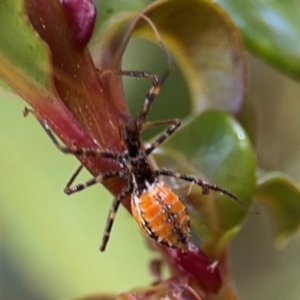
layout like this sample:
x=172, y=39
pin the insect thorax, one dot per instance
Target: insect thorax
x=142, y=174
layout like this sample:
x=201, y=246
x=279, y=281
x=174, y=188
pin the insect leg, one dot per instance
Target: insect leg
x=174, y=124
x=112, y=214
x=80, y=151
x=98, y=179
x=206, y=186
x=151, y=95
x=153, y=92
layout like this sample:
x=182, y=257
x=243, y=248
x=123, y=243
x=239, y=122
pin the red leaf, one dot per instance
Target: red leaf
x=196, y=264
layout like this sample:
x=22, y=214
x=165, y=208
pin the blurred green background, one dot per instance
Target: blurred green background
x=49, y=242
x=261, y=270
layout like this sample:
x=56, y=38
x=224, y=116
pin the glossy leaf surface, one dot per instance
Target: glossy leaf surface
x=208, y=49
x=270, y=30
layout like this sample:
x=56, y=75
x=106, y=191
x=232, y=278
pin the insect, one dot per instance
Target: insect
x=158, y=211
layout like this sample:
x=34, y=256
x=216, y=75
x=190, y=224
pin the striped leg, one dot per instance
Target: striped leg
x=153, y=92
x=175, y=123
x=98, y=179
x=112, y=214
x=115, y=205
x=157, y=82
x=92, y=152
x=206, y=186
x=135, y=74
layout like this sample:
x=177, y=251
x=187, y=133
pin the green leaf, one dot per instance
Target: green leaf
x=206, y=45
x=271, y=30
x=214, y=147
x=282, y=196
x=23, y=57
x=110, y=11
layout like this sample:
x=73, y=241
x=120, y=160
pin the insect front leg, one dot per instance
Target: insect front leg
x=79, y=151
x=174, y=124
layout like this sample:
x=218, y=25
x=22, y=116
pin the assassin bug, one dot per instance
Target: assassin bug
x=158, y=211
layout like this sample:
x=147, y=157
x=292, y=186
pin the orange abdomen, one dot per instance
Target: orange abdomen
x=161, y=215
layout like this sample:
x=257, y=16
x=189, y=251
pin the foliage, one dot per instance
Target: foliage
x=46, y=59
